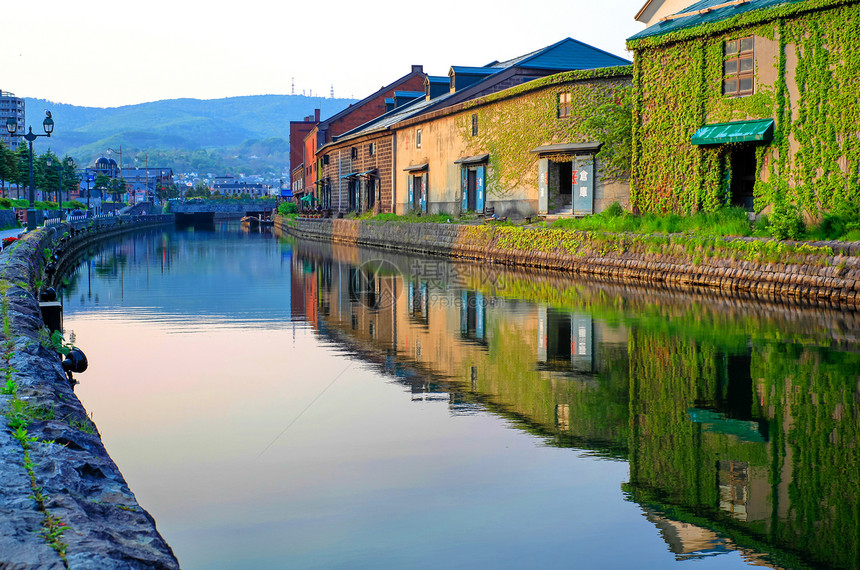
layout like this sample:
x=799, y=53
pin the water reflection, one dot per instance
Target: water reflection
x=704, y=428
x=740, y=422
x=187, y=279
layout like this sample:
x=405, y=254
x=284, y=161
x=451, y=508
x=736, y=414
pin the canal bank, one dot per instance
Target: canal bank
x=818, y=273
x=64, y=502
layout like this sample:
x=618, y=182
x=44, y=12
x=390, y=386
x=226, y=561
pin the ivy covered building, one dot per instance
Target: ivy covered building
x=749, y=102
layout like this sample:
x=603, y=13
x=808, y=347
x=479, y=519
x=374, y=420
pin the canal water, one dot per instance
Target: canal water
x=276, y=403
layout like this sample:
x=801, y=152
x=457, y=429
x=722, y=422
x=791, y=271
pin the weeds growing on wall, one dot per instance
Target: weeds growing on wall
x=518, y=120
x=19, y=414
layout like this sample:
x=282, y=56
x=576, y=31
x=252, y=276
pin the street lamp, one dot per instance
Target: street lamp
x=119, y=152
x=12, y=128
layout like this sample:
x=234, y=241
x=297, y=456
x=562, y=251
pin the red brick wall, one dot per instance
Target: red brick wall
x=310, y=147
x=298, y=132
x=371, y=109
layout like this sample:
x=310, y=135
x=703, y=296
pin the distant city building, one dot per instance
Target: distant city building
x=229, y=186
x=142, y=183
x=11, y=107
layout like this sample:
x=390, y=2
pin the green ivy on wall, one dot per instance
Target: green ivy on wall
x=518, y=120
x=812, y=163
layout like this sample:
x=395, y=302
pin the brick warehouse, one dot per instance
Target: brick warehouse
x=356, y=114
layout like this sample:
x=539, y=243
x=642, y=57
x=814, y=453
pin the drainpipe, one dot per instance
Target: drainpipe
x=394, y=172
x=339, y=179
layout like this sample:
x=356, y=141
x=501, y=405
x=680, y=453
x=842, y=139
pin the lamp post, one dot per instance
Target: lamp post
x=49, y=163
x=146, y=166
x=12, y=128
x=119, y=152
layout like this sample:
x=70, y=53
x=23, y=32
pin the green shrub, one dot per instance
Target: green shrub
x=786, y=222
x=287, y=208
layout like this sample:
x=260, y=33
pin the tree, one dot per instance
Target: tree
x=117, y=187
x=200, y=190
x=47, y=177
x=71, y=178
x=22, y=158
x=8, y=167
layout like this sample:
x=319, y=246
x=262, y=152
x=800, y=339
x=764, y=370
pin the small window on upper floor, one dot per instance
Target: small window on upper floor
x=418, y=138
x=475, y=125
x=564, y=105
x=353, y=153
x=371, y=149
x=739, y=67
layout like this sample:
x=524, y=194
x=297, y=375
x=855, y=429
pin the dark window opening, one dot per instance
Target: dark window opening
x=472, y=190
x=371, y=192
x=475, y=125
x=565, y=184
x=352, y=191
x=417, y=190
x=742, y=161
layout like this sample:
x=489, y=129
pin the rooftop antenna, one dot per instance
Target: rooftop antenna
x=332, y=90
x=293, y=90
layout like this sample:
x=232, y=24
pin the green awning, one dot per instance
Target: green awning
x=718, y=423
x=737, y=131
x=308, y=198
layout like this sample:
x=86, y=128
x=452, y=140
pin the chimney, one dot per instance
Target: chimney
x=417, y=69
x=317, y=115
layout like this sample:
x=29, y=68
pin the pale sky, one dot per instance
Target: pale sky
x=107, y=54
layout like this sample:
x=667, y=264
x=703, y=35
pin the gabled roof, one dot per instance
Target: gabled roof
x=565, y=55
x=416, y=70
x=473, y=70
x=381, y=123
x=707, y=12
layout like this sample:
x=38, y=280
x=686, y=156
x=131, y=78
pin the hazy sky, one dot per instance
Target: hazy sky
x=107, y=54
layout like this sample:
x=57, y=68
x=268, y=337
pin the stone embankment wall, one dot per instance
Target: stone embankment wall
x=820, y=272
x=8, y=218
x=63, y=501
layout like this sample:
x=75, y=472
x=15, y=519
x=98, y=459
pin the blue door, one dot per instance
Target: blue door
x=424, y=191
x=464, y=188
x=410, y=192
x=543, y=186
x=582, y=185
x=481, y=174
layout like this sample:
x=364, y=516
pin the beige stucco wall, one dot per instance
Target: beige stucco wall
x=446, y=137
x=655, y=10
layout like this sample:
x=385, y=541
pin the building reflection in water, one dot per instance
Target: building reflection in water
x=739, y=421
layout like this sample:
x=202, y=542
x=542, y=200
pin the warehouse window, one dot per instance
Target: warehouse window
x=739, y=67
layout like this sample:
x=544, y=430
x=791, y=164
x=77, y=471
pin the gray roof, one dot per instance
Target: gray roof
x=706, y=12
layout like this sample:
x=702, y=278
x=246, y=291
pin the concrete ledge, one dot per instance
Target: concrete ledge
x=807, y=273
x=84, y=489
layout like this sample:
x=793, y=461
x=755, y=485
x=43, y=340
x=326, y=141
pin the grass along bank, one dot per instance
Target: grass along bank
x=724, y=222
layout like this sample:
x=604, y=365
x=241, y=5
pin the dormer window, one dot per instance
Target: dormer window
x=739, y=67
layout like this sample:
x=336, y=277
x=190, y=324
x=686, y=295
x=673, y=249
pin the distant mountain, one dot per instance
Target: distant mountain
x=221, y=128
